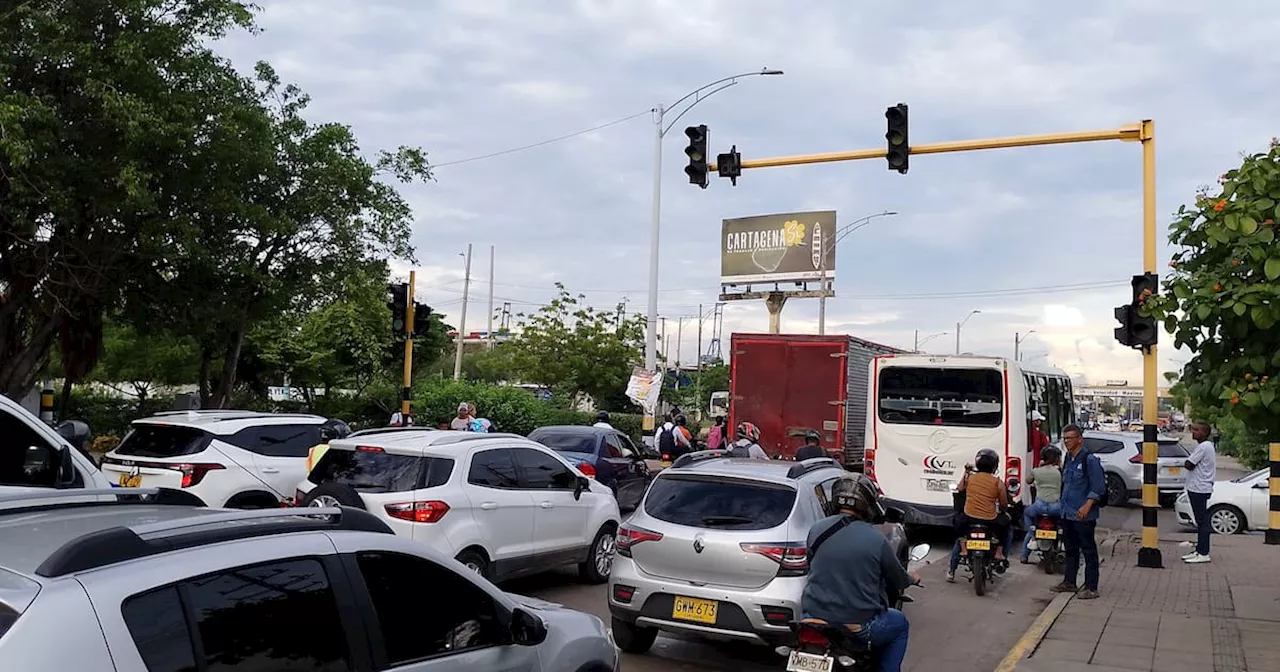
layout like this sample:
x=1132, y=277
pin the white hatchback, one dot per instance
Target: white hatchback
x=500, y=504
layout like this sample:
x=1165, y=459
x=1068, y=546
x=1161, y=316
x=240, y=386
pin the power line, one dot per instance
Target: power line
x=522, y=148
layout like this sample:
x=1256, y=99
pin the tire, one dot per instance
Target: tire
x=253, y=500
x=1226, y=519
x=1117, y=491
x=474, y=561
x=978, y=564
x=632, y=638
x=330, y=494
x=1167, y=501
x=599, y=562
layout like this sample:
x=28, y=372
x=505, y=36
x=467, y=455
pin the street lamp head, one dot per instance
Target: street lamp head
x=770, y=71
x=889, y=213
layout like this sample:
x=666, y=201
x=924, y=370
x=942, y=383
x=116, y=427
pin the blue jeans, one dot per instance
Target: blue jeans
x=1200, y=510
x=955, y=548
x=1038, y=508
x=888, y=636
x=1078, y=538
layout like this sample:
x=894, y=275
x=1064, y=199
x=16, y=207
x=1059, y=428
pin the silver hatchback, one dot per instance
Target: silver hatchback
x=717, y=549
x=1121, y=457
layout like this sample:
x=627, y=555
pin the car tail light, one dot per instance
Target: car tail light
x=666, y=457
x=1046, y=523
x=978, y=534
x=811, y=637
x=418, y=512
x=1013, y=475
x=777, y=615
x=192, y=474
x=623, y=594
x=790, y=556
x=587, y=469
x=370, y=449
x=630, y=536
x=1136, y=459
x=869, y=463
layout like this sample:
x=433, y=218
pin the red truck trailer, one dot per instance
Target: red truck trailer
x=789, y=384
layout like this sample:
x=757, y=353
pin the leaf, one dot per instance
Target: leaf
x=1258, y=363
x=1250, y=399
x=1232, y=222
x=1272, y=268
x=1226, y=393
x=1240, y=308
x=1266, y=235
x=1180, y=290
x=1268, y=397
x=1203, y=311
x=1248, y=225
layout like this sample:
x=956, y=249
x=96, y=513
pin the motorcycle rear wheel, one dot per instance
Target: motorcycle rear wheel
x=978, y=562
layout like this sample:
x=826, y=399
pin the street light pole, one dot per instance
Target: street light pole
x=961, y=324
x=926, y=339
x=1017, y=343
x=836, y=237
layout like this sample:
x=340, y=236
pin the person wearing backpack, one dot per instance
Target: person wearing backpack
x=748, y=443
x=672, y=441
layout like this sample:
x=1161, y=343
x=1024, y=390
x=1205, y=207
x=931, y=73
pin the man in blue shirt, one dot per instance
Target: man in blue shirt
x=1084, y=484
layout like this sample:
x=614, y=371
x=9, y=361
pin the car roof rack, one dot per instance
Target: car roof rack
x=811, y=465
x=698, y=456
x=59, y=499
x=388, y=430
x=450, y=438
x=121, y=544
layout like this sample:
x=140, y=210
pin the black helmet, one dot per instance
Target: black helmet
x=1050, y=454
x=680, y=419
x=808, y=452
x=812, y=435
x=857, y=493
x=334, y=429
x=987, y=461
x=602, y=416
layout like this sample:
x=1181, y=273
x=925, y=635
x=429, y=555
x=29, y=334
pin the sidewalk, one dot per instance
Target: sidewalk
x=1217, y=617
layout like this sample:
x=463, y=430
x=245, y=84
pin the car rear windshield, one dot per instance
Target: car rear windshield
x=369, y=471
x=146, y=440
x=941, y=396
x=1170, y=449
x=566, y=442
x=719, y=503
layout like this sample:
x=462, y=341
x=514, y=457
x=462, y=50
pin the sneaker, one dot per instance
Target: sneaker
x=1064, y=587
x=1026, y=559
x=1190, y=555
x=1188, y=544
x=1087, y=594
x=951, y=576
x=1197, y=559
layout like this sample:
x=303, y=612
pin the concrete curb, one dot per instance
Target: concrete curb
x=1031, y=638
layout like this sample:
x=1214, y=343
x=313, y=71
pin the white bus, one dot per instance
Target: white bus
x=930, y=414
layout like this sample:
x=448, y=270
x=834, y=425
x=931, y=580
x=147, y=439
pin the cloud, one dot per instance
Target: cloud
x=1039, y=239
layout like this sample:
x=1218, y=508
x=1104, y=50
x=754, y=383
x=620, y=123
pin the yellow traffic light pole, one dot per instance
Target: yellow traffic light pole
x=406, y=394
x=1143, y=132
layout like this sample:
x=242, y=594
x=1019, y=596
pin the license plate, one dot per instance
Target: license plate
x=937, y=485
x=127, y=481
x=809, y=662
x=666, y=463
x=1046, y=534
x=692, y=609
x=975, y=545
x=1174, y=471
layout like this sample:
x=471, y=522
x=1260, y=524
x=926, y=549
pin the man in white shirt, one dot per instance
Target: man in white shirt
x=1202, y=469
x=602, y=420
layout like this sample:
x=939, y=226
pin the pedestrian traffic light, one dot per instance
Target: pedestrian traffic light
x=398, y=302
x=421, y=318
x=697, y=152
x=730, y=165
x=899, y=145
x=1137, y=330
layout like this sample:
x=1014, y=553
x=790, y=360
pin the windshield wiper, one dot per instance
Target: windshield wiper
x=725, y=520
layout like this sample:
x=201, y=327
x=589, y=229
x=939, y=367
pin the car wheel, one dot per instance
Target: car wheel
x=632, y=638
x=1226, y=519
x=475, y=561
x=328, y=495
x=1117, y=492
x=1167, y=501
x=599, y=562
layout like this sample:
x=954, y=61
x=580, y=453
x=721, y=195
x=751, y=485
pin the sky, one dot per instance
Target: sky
x=1042, y=240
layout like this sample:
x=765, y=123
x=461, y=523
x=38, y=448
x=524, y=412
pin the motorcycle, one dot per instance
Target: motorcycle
x=979, y=559
x=826, y=647
x=1048, y=543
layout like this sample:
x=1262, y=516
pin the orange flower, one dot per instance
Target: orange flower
x=1217, y=207
x=1235, y=398
x=1235, y=262
x=1267, y=222
x=1217, y=287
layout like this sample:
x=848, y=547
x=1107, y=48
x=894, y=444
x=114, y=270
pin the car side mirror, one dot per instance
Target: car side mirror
x=1264, y=484
x=66, y=467
x=920, y=552
x=527, y=629
x=75, y=432
x=893, y=514
x=581, y=485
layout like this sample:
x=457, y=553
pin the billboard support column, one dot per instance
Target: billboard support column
x=774, y=302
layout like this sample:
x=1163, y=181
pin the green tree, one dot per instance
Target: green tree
x=1222, y=299
x=574, y=348
x=135, y=362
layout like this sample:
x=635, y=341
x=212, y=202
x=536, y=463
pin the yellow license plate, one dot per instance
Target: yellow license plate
x=1046, y=534
x=979, y=545
x=666, y=463
x=1174, y=471
x=127, y=481
x=691, y=609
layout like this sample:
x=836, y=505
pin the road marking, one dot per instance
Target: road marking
x=1031, y=638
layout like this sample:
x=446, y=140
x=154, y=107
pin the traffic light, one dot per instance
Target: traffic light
x=899, y=145
x=398, y=302
x=421, y=318
x=1137, y=330
x=697, y=152
x=730, y=165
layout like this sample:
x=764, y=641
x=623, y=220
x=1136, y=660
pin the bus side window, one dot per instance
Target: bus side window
x=1054, y=416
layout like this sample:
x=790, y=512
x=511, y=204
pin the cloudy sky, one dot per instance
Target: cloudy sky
x=1041, y=239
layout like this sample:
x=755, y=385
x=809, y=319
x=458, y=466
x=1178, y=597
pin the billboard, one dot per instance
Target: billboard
x=777, y=248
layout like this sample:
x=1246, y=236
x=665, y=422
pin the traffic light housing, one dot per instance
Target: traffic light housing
x=1137, y=330
x=899, y=149
x=697, y=153
x=398, y=302
x=421, y=318
x=730, y=165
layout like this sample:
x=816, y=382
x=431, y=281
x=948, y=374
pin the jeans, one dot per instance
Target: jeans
x=1200, y=510
x=1037, y=509
x=888, y=636
x=1078, y=537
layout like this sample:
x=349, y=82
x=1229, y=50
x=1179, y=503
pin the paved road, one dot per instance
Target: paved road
x=951, y=628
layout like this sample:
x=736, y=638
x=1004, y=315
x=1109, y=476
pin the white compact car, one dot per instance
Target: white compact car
x=500, y=504
x=1236, y=505
x=234, y=459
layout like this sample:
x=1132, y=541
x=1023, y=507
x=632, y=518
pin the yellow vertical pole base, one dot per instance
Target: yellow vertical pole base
x=1273, y=513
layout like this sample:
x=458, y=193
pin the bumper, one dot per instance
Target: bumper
x=924, y=514
x=1182, y=509
x=740, y=615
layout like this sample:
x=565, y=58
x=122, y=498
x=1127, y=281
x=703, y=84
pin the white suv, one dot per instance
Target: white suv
x=500, y=504
x=235, y=459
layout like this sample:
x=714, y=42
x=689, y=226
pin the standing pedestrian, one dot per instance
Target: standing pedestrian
x=1083, y=485
x=1037, y=440
x=1201, y=468
x=716, y=436
x=462, y=421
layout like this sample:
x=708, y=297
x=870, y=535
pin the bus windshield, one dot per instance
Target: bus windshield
x=941, y=396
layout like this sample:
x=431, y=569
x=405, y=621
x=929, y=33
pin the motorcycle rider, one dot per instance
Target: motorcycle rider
x=986, y=502
x=329, y=431
x=1047, y=478
x=748, y=443
x=812, y=447
x=851, y=566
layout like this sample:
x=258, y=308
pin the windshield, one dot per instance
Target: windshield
x=146, y=440
x=567, y=442
x=720, y=503
x=1170, y=449
x=369, y=471
x=941, y=396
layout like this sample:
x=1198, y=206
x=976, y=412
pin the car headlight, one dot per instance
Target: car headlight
x=1182, y=497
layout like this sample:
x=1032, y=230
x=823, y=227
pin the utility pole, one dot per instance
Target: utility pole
x=662, y=338
x=701, y=316
x=679, y=339
x=406, y=392
x=488, y=334
x=915, y=345
x=462, y=319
